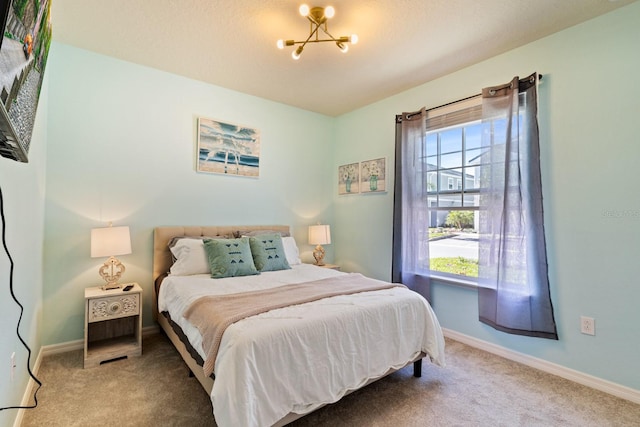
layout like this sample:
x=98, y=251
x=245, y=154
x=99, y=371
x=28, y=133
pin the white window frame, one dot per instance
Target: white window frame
x=457, y=114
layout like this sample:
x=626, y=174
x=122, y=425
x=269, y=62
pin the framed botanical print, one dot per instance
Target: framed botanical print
x=373, y=176
x=349, y=178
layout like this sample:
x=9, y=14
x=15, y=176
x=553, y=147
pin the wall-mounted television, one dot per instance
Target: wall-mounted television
x=24, y=48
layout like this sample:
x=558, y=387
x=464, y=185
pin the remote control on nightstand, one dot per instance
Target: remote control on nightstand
x=127, y=288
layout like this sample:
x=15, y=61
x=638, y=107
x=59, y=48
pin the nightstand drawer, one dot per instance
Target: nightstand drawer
x=113, y=307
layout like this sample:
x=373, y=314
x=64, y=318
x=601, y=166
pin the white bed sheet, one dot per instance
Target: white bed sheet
x=298, y=358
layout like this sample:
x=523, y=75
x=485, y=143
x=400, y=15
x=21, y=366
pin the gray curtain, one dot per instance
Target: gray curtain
x=513, y=280
x=410, y=262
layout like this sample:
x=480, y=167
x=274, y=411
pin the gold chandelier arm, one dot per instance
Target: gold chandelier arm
x=343, y=39
x=312, y=32
x=333, y=39
x=292, y=43
x=319, y=25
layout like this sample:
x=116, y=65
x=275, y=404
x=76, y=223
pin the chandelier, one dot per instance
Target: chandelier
x=318, y=17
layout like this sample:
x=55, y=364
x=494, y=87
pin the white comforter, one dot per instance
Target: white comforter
x=298, y=358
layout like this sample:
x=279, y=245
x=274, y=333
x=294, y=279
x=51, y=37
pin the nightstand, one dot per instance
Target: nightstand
x=112, y=324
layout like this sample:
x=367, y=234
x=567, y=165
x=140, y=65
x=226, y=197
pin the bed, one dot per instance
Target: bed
x=276, y=365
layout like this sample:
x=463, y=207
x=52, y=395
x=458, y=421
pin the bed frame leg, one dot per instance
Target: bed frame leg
x=417, y=368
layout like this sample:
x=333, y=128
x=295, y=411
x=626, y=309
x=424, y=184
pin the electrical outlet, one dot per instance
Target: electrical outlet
x=587, y=325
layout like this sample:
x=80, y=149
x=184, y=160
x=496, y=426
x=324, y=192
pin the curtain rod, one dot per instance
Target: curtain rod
x=399, y=116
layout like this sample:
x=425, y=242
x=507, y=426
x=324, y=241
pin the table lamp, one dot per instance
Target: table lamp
x=109, y=242
x=319, y=235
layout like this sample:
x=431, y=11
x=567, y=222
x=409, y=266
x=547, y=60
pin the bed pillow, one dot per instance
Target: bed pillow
x=268, y=252
x=291, y=251
x=229, y=257
x=190, y=257
x=176, y=239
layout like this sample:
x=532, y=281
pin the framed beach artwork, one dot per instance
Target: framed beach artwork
x=226, y=148
x=373, y=174
x=349, y=178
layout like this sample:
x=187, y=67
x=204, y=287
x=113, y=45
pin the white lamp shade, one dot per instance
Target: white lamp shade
x=110, y=241
x=319, y=235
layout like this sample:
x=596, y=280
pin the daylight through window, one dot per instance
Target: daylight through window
x=451, y=160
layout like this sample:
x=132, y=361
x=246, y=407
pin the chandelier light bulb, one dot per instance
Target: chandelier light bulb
x=280, y=44
x=343, y=47
x=354, y=39
x=304, y=10
x=329, y=12
x=296, y=53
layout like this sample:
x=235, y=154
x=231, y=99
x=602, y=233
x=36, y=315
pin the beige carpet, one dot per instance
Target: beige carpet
x=475, y=389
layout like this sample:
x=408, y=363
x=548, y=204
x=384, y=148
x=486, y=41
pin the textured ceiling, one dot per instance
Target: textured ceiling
x=232, y=43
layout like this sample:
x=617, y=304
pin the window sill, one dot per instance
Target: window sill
x=450, y=279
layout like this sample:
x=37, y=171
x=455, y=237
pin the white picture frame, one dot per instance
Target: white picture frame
x=349, y=179
x=373, y=176
x=226, y=148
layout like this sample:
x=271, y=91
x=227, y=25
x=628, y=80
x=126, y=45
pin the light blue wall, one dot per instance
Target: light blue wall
x=589, y=109
x=23, y=188
x=122, y=144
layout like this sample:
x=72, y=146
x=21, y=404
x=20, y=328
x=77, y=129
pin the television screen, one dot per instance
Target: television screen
x=23, y=54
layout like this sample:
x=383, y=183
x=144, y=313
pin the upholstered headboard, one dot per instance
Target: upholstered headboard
x=162, y=236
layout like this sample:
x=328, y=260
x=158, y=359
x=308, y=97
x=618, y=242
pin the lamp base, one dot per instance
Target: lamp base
x=318, y=254
x=111, y=271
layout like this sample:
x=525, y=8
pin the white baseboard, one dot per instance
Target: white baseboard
x=28, y=393
x=64, y=347
x=609, y=387
x=79, y=344
x=150, y=330
x=47, y=350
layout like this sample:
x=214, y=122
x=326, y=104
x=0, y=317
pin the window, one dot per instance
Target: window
x=452, y=158
x=499, y=194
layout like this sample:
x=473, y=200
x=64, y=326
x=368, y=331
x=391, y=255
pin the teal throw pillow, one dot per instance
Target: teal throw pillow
x=229, y=257
x=268, y=252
